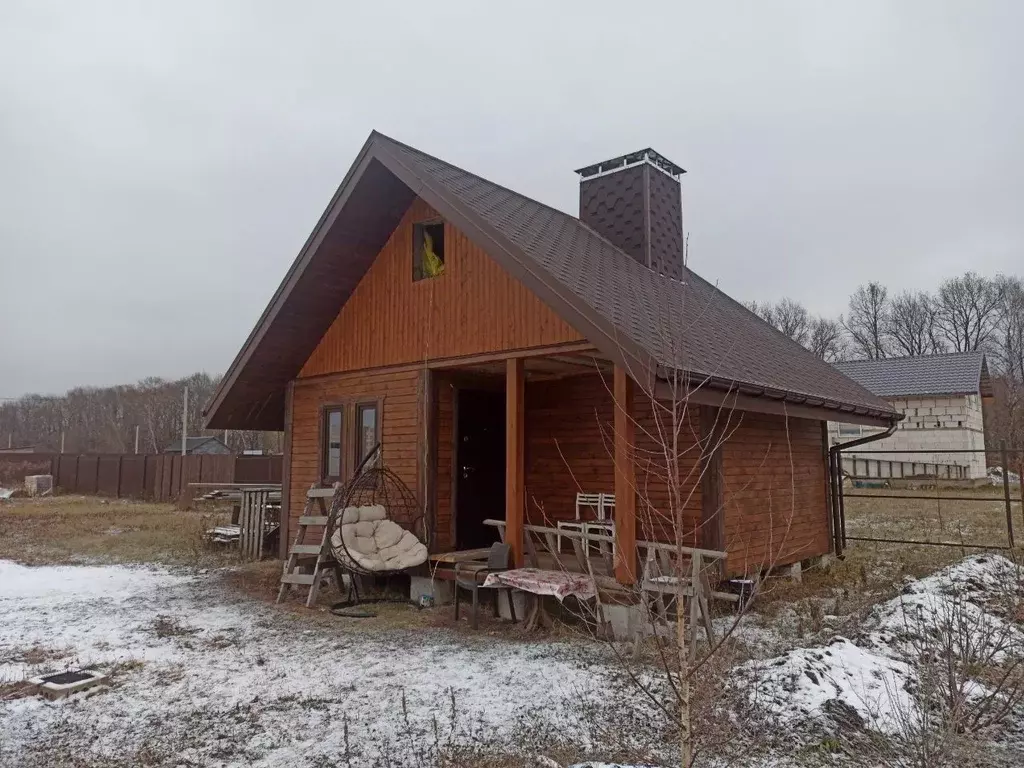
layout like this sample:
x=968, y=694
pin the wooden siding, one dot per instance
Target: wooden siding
x=773, y=486
x=569, y=449
x=401, y=425
x=568, y=445
x=474, y=307
x=774, y=491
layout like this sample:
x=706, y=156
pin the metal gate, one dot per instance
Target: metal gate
x=912, y=497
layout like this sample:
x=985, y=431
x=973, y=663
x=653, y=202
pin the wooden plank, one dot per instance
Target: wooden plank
x=515, y=460
x=625, y=478
x=304, y=549
x=312, y=520
x=459, y=557
x=297, y=578
x=286, y=471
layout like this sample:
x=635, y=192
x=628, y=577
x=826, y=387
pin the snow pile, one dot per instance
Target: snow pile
x=225, y=680
x=840, y=679
x=872, y=680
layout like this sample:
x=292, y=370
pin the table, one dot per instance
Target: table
x=538, y=582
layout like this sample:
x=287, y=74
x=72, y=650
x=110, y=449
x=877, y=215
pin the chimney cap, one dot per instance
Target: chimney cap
x=648, y=155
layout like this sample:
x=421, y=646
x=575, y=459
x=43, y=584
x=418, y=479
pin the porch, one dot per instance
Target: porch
x=512, y=440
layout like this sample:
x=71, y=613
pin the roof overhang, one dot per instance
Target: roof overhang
x=741, y=397
x=363, y=213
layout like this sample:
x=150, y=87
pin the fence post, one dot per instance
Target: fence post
x=117, y=493
x=1006, y=491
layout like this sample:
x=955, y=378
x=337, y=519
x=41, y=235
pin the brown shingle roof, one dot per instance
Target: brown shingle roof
x=625, y=309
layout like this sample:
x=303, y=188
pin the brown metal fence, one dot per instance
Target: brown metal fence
x=891, y=496
x=153, y=477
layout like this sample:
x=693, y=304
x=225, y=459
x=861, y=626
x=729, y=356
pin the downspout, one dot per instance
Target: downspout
x=836, y=468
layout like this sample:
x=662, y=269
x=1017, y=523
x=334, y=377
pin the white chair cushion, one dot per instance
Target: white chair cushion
x=367, y=539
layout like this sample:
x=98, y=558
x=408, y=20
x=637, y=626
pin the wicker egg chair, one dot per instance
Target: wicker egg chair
x=375, y=527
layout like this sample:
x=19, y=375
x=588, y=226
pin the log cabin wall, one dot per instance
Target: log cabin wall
x=475, y=307
x=569, y=445
x=401, y=426
x=774, y=492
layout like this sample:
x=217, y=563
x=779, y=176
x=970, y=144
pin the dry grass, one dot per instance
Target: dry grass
x=80, y=529
x=870, y=571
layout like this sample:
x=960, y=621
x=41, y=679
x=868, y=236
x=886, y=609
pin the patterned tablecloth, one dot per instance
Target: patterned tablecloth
x=561, y=584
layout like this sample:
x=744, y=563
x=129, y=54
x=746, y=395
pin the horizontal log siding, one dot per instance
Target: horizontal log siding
x=569, y=434
x=655, y=511
x=475, y=307
x=774, y=492
x=401, y=428
x=568, y=445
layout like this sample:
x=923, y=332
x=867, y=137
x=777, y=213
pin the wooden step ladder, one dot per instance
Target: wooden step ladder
x=301, y=552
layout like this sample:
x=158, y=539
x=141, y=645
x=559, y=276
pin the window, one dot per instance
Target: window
x=334, y=434
x=367, y=429
x=427, y=250
x=849, y=430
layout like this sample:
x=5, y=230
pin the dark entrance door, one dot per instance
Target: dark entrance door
x=480, y=467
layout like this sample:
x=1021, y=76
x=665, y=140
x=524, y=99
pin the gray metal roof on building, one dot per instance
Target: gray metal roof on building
x=955, y=373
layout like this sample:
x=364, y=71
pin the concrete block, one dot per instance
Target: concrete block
x=518, y=600
x=39, y=485
x=442, y=592
x=627, y=622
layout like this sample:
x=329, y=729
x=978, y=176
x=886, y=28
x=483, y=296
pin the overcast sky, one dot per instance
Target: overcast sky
x=162, y=163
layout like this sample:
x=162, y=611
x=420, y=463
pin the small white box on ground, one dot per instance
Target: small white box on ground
x=37, y=485
x=63, y=684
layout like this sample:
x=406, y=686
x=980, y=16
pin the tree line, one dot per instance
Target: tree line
x=109, y=419
x=966, y=313
x=969, y=313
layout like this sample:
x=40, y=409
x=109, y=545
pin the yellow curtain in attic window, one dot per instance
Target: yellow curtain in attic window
x=432, y=264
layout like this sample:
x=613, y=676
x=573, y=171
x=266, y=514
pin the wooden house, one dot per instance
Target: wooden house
x=507, y=355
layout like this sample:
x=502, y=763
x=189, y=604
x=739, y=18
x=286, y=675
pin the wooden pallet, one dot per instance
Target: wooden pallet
x=307, y=562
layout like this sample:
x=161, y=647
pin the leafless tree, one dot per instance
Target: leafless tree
x=104, y=419
x=967, y=311
x=788, y=316
x=828, y=340
x=867, y=320
x=911, y=325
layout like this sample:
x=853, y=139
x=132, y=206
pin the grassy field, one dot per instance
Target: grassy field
x=85, y=529
x=869, y=570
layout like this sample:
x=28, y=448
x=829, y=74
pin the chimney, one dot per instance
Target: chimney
x=635, y=201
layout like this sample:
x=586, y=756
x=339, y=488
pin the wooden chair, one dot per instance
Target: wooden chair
x=471, y=576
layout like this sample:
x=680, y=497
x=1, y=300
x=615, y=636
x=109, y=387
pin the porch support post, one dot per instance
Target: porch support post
x=712, y=496
x=515, y=462
x=625, y=478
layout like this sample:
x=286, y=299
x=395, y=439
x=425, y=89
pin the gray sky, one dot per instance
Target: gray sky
x=162, y=163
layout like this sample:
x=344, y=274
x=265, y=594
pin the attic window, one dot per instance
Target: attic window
x=427, y=250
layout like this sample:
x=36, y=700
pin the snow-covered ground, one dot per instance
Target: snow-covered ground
x=875, y=678
x=205, y=677
x=227, y=681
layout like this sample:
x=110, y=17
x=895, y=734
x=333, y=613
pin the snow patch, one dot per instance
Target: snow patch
x=229, y=672
x=837, y=679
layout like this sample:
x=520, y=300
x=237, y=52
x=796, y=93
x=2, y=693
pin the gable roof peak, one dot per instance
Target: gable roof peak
x=646, y=321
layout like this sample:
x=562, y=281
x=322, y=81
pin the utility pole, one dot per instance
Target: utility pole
x=184, y=423
x=136, y=439
x=62, y=441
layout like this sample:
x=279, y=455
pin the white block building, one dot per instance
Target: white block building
x=941, y=399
